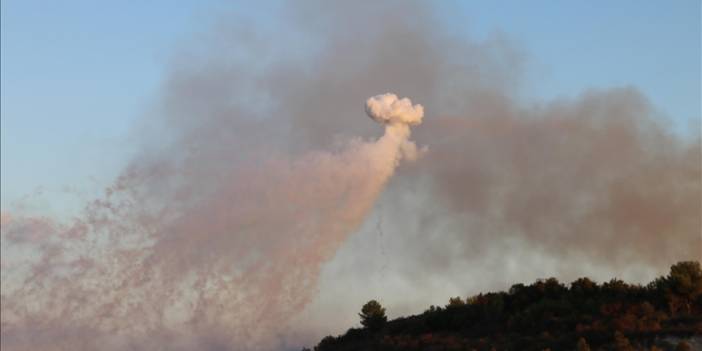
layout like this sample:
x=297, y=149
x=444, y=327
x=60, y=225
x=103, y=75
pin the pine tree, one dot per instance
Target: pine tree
x=373, y=315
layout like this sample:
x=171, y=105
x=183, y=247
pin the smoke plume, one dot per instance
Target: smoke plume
x=254, y=169
x=246, y=258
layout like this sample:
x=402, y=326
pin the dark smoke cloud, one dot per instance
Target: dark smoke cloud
x=251, y=175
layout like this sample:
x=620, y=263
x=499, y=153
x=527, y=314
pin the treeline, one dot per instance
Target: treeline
x=666, y=314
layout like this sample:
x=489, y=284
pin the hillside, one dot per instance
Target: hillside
x=665, y=314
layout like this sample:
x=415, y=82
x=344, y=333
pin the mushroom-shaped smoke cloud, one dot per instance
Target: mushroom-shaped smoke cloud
x=397, y=115
x=388, y=109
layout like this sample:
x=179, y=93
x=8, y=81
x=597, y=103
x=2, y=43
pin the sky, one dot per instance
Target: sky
x=233, y=191
x=62, y=62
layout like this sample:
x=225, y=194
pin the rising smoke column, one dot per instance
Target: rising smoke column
x=225, y=272
x=512, y=187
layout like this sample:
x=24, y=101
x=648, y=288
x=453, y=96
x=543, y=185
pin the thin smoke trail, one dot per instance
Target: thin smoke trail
x=381, y=243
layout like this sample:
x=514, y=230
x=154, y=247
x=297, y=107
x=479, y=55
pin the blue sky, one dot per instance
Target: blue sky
x=76, y=75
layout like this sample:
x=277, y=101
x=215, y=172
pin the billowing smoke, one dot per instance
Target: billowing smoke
x=398, y=115
x=387, y=108
x=254, y=169
x=230, y=269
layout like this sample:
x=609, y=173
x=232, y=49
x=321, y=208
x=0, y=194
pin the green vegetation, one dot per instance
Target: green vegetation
x=373, y=316
x=545, y=315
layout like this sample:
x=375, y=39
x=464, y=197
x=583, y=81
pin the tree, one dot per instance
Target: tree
x=456, y=302
x=583, y=287
x=682, y=286
x=683, y=346
x=686, y=279
x=326, y=344
x=615, y=288
x=582, y=345
x=373, y=315
x=621, y=342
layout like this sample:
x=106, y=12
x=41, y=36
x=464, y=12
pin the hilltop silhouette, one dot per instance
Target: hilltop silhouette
x=665, y=314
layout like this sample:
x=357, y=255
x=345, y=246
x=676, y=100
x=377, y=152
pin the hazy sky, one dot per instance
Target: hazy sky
x=64, y=62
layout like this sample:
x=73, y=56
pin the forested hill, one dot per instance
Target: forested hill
x=666, y=314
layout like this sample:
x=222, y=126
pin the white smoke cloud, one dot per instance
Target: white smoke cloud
x=397, y=115
x=388, y=109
